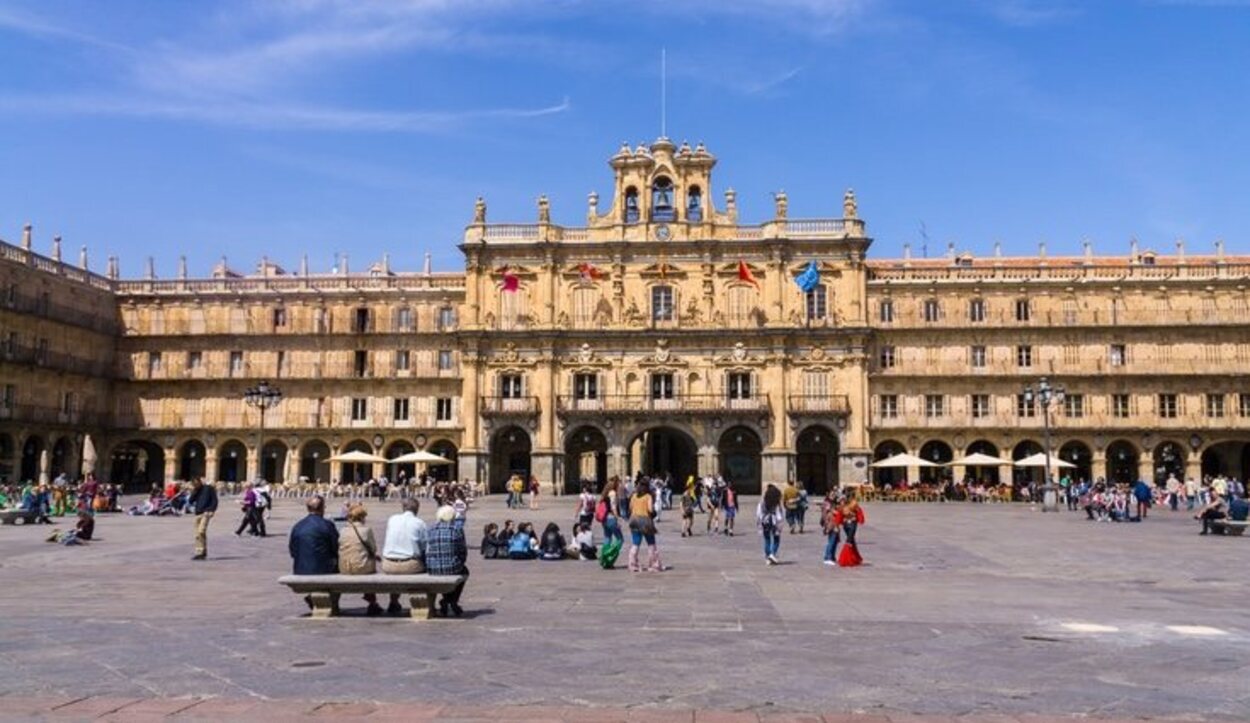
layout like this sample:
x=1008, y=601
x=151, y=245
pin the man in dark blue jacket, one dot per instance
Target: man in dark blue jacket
x=203, y=502
x=314, y=542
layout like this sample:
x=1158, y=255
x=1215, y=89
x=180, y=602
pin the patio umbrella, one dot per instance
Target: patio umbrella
x=1039, y=460
x=978, y=460
x=88, y=456
x=903, y=460
x=419, y=457
x=358, y=457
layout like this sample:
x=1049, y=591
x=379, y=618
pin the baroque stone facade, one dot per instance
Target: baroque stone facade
x=662, y=335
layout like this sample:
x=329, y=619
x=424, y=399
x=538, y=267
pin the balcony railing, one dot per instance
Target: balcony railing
x=643, y=403
x=37, y=414
x=818, y=404
x=959, y=318
x=509, y=406
x=42, y=358
x=1060, y=423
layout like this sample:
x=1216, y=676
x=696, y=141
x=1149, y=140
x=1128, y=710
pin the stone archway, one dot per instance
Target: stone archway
x=1169, y=461
x=816, y=459
x=192, y=457
x=888, y=475
x=739, y=450
x=314, y=465
x=939, y=453
x=232, y=461
x=273, y=462
x=1077, y=453
x=445, y=472
x=62, y=459
x=585, y=459
x=136, y=464
x=663, y=451
x=398, y=448
x=1122, y=458
x=1230, y=459
x=509, y=454
x=987, y=474
x=32, y=450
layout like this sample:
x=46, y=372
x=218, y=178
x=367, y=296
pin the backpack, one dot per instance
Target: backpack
x=262, y=500
x=601, y=511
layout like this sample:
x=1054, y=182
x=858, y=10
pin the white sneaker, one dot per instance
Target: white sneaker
x=831, y=563
x=773, y=559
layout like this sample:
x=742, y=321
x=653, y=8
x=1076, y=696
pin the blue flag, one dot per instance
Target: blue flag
x=809, y=278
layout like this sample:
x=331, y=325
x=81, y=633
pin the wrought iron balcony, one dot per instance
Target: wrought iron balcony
x=509, y=406
x=618, y=404
x=833, y=404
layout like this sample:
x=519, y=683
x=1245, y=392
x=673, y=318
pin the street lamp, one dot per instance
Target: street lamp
x=263, y=397
x=1044, y=395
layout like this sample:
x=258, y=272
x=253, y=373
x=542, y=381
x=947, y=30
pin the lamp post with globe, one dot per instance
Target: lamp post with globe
x=262, y=397
x=1044, y=395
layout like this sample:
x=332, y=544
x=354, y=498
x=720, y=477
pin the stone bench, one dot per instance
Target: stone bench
x=1229, y=527
x=10, y=517
x=420, y=589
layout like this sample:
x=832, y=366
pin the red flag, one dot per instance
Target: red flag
x=510, y=280
x=744, y=274
x=589, y=272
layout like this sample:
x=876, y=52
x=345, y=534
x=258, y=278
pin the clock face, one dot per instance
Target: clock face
x=663, y=233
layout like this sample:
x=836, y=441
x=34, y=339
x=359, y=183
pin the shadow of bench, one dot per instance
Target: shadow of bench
x=1229, y=527
x=10, y=517
x=420, y=590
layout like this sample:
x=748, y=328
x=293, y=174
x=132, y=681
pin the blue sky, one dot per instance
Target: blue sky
x=321, y=126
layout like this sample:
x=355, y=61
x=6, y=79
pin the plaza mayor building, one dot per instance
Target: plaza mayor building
x=663, y=335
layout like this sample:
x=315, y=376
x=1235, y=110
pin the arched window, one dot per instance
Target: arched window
x=631, y=205
x=662, y=200
x=694, y=205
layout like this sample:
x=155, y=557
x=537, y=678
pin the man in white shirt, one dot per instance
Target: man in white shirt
x=406, y=535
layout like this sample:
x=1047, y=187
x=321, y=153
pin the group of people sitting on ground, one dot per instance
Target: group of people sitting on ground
x=521, y=542
x=410, y=547
x=61, y=497
x=1117, y=503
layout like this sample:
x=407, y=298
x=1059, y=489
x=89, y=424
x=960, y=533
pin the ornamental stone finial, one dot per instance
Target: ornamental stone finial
x=56, y=248
x=82, y=258
x=850, y=209
x=27, y=231
x=479, y=211
x=781, y=203
x=544, y=209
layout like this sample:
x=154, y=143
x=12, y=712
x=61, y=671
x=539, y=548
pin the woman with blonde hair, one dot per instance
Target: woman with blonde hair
x=358, y=551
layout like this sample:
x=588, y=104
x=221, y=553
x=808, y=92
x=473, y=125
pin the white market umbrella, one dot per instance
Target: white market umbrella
x=419, y=457
x=43, y=467
x=978, y=460
x=903, y=460
x=358, y=457
x=1039, y=460
x=88, y=456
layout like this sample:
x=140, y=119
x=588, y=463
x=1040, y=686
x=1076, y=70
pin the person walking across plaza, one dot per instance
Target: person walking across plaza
x=687, y=512
x=769, y=515
x=533, y=492
x=790, y=500
x=606, y=515
x=828, y=523
x=729, y=509
x=358, y=551
x=203, y=504
x=642, y=527
x=250, y=511
x=850, y=517
x=314, y=547
x=446, y=554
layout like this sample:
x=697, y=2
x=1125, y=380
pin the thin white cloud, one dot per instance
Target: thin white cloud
x=766, y=85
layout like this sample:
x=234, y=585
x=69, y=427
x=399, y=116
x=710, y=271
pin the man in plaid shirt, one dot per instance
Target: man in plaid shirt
x=445, y=554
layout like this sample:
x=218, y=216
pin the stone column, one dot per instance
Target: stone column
x=1193, y=466
x=616, y=461
x=1146, y=467
x=210, y=464
x=1005, y=473
x=709, y=460
x=253, y=464
x=171, y=464
x=543, y=466
x=774, y=468
x=1098, y=466
x=853, y=467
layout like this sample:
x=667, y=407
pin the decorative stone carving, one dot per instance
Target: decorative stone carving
x=479, y=211
x=585, y=355
x=693, y=314
x=662, y=352
x=849, y=208
x=562, y=321
x=634, y=315
x=782, y=203
x=544, y=209
x=510, y=353
x=739, y=352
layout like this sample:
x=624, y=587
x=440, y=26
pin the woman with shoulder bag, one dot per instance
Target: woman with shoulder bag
x=642, y=527
x=358, y=552
x=769, y=515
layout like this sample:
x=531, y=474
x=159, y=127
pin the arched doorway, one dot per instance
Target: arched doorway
x=62, y=459
x=585, y=459
x=231, y=461
x=509, y=455
x=31, y=451
x=1229, y=459
x=136, y=465
x=7, y=452
x=314, y=465
x=1169, y=461
x=663, y=451
x=1027, y=475
x=273, y=462
x=937, y=452
x=1121, y=462
x=356, y=472
x=816, y=459
x=445, y=472
x=987, y=474
x=399, y=448
x=1077, y=453
x=888, y=475
x=191, y=460
x=739, y=450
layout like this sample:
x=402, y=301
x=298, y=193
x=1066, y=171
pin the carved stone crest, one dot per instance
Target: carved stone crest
x=585, y=355
x=662, y=352
x=510, y=353
x=739, y=352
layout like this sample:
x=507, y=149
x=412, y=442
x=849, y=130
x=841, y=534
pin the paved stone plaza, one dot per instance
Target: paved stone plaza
x=962, y=610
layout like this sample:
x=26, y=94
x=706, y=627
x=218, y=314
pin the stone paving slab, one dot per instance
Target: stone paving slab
x=962, y=610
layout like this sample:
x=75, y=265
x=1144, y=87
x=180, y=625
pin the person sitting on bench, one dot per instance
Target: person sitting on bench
x=314, y=545
x=1213, y=511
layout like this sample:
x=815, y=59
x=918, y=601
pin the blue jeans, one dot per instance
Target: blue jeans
x=831, y=545
x=612, y=529
x=637, y=537
x=772, y=540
